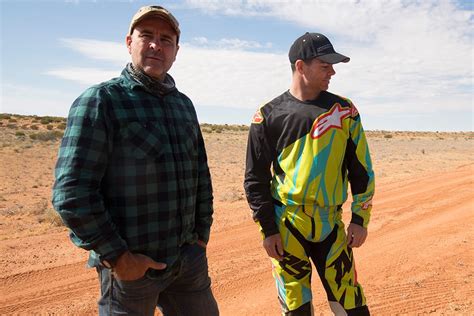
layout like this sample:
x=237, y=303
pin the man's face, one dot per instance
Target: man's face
x=153, y=47
x=318, y=74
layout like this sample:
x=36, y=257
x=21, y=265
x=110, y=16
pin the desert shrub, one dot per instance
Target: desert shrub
x=20, y=134
x=388, y=136
x=219, y=128
x=61, y=126
x=4, y=116
x=49, y=127
x=11, y=211
x=46, y=120
x=12, y=120
x=12, y=126
x=34, y=127
x=45, y=136
x=51, y=216
x=231, y=196
x=46, y=214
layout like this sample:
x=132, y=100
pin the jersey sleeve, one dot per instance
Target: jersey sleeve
x=360, y=172
x=258, y=174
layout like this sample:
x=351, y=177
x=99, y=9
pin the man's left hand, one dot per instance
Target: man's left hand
x=356, y=235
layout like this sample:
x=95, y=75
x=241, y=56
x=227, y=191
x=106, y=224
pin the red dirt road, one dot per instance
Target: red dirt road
x=418, y=259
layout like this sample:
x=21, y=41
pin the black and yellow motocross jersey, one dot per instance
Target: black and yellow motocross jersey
x=306, y=153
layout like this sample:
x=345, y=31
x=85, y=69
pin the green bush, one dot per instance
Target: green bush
x=46, y=120
x=61, y=126
x=45, y=136
x=51, y=119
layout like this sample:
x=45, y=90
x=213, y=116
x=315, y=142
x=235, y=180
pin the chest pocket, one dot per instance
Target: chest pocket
x=144, y=139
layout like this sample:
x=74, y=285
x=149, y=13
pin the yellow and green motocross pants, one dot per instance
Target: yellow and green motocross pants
x=316, y=233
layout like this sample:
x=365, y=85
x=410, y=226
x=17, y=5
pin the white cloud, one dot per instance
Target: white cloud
x=113, y=52
x=230, y=44
x=230, y=78
x=416, y=55
x=221, y=76
x=407, y=57
x=85, y=76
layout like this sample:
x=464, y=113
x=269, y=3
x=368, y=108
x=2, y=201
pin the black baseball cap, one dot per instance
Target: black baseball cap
x=315, y=45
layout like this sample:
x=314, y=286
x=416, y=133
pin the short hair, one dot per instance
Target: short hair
x=293, y=66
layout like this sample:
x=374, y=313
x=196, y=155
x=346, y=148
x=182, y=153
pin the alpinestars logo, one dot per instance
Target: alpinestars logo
x=257, y=117
x=331, y=119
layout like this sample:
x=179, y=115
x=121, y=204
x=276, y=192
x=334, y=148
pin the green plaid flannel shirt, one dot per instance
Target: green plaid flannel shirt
x=132, y=173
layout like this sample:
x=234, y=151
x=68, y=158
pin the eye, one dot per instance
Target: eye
x=145, y=35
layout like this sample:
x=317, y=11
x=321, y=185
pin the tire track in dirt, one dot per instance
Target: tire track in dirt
x=432, y=236
x=36, y=290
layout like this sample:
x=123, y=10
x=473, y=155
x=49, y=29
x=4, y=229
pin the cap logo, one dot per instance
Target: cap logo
x=324, y=47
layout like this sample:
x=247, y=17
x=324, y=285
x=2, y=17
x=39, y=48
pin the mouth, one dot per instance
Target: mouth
x=154, y=58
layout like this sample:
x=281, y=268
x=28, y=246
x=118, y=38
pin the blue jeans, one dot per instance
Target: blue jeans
x=186, y=290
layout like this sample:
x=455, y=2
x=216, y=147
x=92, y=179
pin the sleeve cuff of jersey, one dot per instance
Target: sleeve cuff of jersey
x=359, y=220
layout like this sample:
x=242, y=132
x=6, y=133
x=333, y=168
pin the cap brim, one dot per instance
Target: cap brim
x=334, y=58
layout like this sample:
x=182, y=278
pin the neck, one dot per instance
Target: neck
x=142, y=73
x=153, y=85
x=301, y=91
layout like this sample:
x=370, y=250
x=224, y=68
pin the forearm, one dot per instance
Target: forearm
x=261, y=203
x=82, y=211
x=204, y=197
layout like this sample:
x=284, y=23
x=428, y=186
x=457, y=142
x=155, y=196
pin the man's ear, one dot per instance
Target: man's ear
x=299, y=66
x=128, y=42
x=177, y=49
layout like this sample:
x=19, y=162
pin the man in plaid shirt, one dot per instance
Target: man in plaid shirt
x=133, y=184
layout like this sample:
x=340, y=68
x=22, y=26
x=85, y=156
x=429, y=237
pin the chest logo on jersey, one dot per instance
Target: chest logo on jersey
x=331, y=119
x=257, y=117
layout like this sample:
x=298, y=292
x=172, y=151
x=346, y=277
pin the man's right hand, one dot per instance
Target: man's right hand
x=274, y=246
x=132, y=266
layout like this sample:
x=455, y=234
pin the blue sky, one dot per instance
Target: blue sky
x=411, y=62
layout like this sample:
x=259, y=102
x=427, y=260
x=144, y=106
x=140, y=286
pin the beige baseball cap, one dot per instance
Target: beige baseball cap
x=159, y=12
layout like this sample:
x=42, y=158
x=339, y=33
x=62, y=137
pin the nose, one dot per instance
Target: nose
x=332, y=72
x=155, y=45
